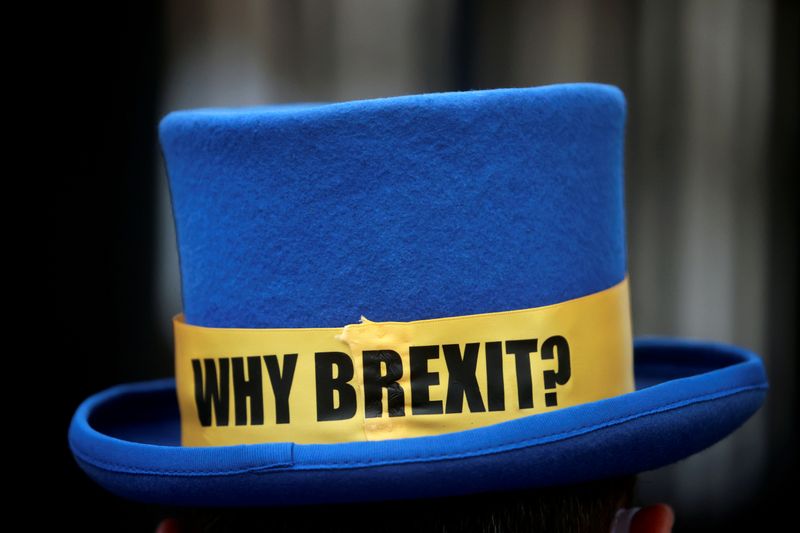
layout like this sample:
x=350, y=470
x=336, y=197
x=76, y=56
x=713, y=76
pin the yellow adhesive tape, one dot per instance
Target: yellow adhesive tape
x=389, y=380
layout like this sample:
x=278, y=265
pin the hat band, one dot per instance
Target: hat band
x=387, y=380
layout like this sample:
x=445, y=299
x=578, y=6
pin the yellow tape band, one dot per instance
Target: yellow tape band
x=387, y=380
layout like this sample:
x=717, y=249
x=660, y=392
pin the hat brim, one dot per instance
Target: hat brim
x=689, y=395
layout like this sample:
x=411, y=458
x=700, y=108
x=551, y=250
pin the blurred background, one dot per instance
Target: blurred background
x=711, y=174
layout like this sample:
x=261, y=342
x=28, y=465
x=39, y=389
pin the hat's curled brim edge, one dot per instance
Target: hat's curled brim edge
x=689, y=395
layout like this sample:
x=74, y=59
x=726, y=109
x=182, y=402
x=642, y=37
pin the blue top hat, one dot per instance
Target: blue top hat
x=467, y=207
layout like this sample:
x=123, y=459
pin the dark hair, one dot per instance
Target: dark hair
x=587, y=507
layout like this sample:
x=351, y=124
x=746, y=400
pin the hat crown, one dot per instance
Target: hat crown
x=402, y=208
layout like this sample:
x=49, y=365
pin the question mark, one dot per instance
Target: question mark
x=551, y=377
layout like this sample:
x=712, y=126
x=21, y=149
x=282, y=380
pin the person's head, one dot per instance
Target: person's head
x=587, y=507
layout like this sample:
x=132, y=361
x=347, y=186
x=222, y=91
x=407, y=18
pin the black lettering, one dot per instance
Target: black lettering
x=494, y=376
x=422, y=380
x=327, y=384
x=462, y=381
x=251, y=388
x=214, y=393
x=551, y=377
x=375, y=382
x=522, y=350
x=281, y=383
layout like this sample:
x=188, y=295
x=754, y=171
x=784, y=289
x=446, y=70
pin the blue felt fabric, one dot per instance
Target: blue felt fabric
x=399, y=208
x=689, y=395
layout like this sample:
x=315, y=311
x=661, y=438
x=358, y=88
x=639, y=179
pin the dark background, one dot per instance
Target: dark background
x=711, y=173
